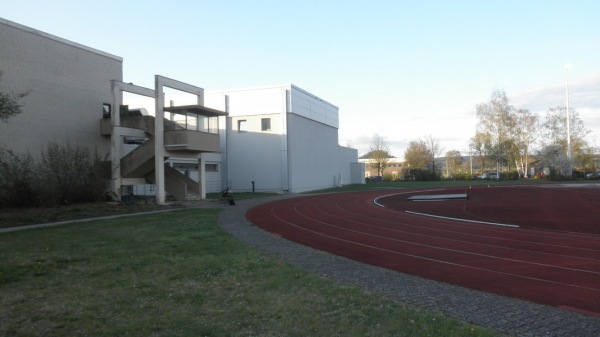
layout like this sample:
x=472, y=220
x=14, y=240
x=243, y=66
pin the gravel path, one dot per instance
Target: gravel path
x=508, y=316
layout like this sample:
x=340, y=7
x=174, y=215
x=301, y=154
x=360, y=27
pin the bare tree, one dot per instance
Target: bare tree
x=555, y=133
x=434, y=149
x=379, y=154
x=554, y=157
x=477, y=145
x=10, y=104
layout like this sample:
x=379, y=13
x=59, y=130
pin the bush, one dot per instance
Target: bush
x=16, y=179
x=63, y=174
x=422, y=175
x=462, y=176
x=388, y=177
x=510, y=175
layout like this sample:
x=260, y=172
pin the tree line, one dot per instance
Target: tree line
x=506, y=139
x=514, y=138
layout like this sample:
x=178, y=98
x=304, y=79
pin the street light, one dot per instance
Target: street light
x=567, y=67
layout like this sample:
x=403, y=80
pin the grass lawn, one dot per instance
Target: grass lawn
x=178, y=274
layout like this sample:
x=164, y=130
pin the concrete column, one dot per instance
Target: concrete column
x=115, y=141
x=285, y=158
x=202, y=177
x=159, y=141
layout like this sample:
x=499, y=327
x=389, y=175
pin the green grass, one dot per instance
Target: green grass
x=28, y=216
x=178, y=274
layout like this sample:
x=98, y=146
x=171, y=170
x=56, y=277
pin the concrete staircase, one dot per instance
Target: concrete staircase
x=140, y=163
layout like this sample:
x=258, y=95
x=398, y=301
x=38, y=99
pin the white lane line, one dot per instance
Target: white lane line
x=464, y=220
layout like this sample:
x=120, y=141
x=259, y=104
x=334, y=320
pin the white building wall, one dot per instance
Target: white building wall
x=299, y=153
x=309, y=106
x=255, y=155
x=250, y=101
x=213, y=178
x=252, y=154
x=316, y=160
x=67, y=85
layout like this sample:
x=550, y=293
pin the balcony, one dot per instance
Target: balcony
x=191, y=141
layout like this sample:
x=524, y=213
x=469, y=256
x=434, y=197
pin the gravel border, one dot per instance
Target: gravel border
x=507, y=316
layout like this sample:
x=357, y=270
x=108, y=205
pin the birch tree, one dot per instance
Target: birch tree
x=496, y=122
x=525, y=133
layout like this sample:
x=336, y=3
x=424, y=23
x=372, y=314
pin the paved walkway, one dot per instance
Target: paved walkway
x=508, y=316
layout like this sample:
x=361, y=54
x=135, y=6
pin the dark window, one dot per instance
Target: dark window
x=106, y=110
x=211, y=167
x=265, y=124
x=133, y=140
x=185, y=166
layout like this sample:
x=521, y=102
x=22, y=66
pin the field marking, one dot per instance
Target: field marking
x=464, y=220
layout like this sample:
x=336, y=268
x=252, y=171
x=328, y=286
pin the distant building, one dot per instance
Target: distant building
x=393, y=170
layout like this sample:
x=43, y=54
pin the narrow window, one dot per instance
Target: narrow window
x=265, y=124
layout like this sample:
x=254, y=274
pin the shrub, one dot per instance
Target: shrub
x=70, y=174
x=462, y=176
x=16, y=179
x=388, y=177
x=423, y=175
x=63, y=174
x=510, y=175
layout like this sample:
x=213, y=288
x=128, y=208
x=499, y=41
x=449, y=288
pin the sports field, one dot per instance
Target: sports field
x=537, y=243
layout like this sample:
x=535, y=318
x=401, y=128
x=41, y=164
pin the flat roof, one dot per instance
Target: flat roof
x=195, y=109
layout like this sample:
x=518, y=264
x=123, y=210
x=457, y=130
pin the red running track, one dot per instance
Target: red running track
x=544, y=265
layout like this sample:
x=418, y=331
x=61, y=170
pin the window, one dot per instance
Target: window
x=185, y=167
x=211, y=167
x=265, y=124
x=106, y=110
x=133, y=140
x=242, y=125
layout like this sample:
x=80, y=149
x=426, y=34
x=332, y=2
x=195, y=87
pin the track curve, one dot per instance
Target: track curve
x=545, y=266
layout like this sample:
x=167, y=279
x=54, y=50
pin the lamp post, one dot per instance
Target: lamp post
x=567, y=67
x=569, y=154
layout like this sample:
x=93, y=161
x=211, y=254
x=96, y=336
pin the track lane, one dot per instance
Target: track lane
x=351, y=225
x=465, y=253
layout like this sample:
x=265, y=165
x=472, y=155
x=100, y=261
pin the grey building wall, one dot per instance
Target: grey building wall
x=316, y=161
x=298, y=153
x=67, y=84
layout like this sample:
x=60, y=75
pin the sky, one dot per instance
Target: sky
x=401, y=70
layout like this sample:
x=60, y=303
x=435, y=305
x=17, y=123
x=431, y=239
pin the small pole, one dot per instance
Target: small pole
x=252, y=186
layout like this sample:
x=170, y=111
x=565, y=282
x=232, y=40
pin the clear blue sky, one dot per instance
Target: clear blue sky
x=400, y=69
